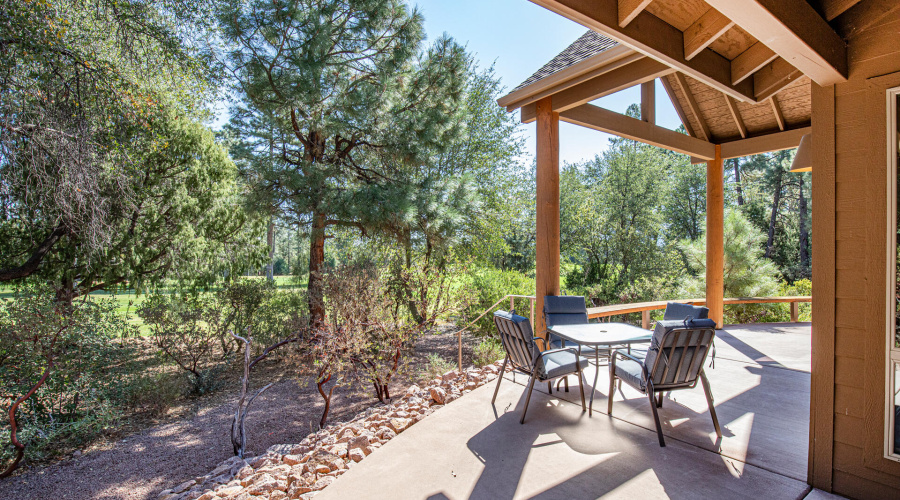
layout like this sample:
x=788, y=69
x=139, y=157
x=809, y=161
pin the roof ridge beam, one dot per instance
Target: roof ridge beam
x=656, y=38
x=796, y=32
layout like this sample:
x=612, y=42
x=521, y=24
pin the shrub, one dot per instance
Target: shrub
x=67, y=355
x=487, y=351
x=487, y=286
x=186, y=330
x=435, y=366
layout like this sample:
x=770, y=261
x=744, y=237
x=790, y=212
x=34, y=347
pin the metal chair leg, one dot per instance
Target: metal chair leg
x=709, y=400
x=550, y=387
x=581, y=390
x=659, y=400
x=659, y=432
x=527, y=398
x=566, y=380
x=612, y=387
x=500, y=378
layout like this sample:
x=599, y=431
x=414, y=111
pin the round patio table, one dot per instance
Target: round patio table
x=597, y=335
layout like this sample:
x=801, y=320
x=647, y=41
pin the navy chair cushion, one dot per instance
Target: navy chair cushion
x=524, y=326
x=631, y=372
x=675, y=310
x=563, y=310
x=559, y=363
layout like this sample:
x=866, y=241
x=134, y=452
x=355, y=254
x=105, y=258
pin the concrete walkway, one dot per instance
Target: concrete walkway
x=472, y=449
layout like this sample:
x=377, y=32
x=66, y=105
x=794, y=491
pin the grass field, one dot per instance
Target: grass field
x=127, y=301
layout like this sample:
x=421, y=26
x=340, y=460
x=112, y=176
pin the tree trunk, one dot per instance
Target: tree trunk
x=776, y=201
x=316, y=263
x=270, y=240
x=804, y=229
x=737, y=181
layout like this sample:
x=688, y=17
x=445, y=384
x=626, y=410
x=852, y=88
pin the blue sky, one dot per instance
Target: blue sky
x=518, y=37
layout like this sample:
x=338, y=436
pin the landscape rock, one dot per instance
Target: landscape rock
x=438, y=394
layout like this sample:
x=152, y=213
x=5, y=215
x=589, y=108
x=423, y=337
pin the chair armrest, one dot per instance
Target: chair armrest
x=550, y=351
x=543, y=341
x=632, y=357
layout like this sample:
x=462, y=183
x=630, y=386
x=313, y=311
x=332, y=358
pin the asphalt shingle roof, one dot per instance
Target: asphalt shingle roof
x=589, y=44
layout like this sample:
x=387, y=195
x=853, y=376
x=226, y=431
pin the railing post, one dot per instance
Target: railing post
x=645, y=320
x=532, y=312
x=795, y=312
x=512, y=304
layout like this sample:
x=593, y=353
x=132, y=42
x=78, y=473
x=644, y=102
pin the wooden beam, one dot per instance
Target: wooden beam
x=750, y=61
x=795, y=31
x=736, y=116
x=648, y=101
x=775, y=76
x=597, y=118
x=629, y=9
x=695, y=109
x=830, y=9
x=705, y=31
x=654, y=37
x=779, y=117
x=638, y=72
x=776, y=141
x=863, y=15
x=715, y=237
x=547, y=209
x=677, y=105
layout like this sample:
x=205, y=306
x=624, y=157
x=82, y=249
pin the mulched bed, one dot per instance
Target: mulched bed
x=161, y=456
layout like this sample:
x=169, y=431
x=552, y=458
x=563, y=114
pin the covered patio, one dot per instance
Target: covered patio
x=472, y=449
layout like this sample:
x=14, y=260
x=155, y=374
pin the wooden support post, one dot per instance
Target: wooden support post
x=795, y=312
x=715, y=237
x=547, y=210
x=648, y=102
x=645, y=320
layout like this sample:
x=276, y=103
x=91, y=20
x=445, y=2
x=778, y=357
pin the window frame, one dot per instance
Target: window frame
x=892, y=353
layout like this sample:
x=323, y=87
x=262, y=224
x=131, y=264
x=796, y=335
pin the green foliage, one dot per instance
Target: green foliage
x=435, y=366
x=488, y=351
x=747, y=273
x=83, y=393
x=488, y=285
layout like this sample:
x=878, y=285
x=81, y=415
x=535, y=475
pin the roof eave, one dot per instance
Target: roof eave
x=565, y=78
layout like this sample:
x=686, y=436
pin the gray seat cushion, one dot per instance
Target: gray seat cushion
x=558, y=363
x=632, y=373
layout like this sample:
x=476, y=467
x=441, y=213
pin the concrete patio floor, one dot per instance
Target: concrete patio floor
x=472, y=449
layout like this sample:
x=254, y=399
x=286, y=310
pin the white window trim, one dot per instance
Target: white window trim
x=892, y=354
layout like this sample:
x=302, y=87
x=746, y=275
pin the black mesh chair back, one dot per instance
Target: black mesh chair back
x=516, y=336
x=675, y=361
x=563, y=310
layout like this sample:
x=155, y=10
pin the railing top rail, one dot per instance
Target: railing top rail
x=615, y=309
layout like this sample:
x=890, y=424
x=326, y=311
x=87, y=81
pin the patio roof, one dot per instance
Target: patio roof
x=761, y=387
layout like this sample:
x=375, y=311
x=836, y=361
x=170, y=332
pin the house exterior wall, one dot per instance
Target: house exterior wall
x=850, y=250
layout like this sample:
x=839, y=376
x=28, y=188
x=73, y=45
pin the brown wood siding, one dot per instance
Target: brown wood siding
x=859, y=218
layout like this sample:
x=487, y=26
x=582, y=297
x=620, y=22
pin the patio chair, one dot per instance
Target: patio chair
x=679, y=311
x=521, y=349
x=674, y=361
x=564, y=310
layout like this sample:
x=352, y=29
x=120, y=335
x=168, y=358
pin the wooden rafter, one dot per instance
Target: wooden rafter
x=597, y=118
x=695, y=109
x=775, y=76
x=677, y=105
x=863, y=15
x=658, y=39
x=795, y=31
x=750, y=61
x=705, y=31
x=736, y=116
x=776, y=109
x=629, y=9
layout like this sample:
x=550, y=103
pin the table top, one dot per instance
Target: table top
x=594, y=334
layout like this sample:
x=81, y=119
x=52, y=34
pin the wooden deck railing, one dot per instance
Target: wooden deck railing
x=645, y=307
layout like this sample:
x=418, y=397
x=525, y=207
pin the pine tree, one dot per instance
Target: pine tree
x=344, y=83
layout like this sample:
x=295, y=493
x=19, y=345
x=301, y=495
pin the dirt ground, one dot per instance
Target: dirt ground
x=141, y=465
